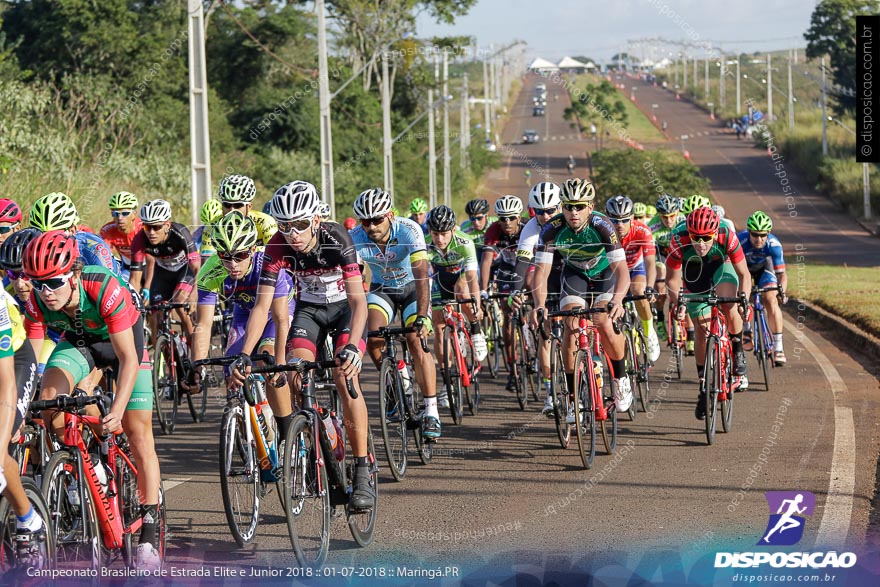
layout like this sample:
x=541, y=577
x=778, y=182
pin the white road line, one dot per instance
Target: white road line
x=834, y=527
x=173, y=482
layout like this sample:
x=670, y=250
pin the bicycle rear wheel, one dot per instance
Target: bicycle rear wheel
x=75, y=521
x=673, y=328
x=631, y=367
x=363, y=524
x=520, y=369
x=453, y=374
x=239, y=476
x=584, y=409
x=129, y=506
x=306, y=493
x=560, y=394
x=491, y=343
x=711, y=378
x=472, y=391
x=165, y=384
x=644, y=367
x=727, y=405
x=606, y=392
x=392, y=417
x=8, y=555
x=531, y=355
x=762, y=350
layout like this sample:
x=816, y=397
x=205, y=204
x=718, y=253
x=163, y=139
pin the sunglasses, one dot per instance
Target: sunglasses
x=237, y=257
x=51, y=284
x=702, y=238
x=544, y=211
x=233, y=205
x=372, y=221
x=16, y=275
x=153, y=227
x=620, y=220
x=120, y=213
x=477, y=218
x=5, y=229
x=295, y=226
x=509, y=219
x=573, y=207
x=758, y=234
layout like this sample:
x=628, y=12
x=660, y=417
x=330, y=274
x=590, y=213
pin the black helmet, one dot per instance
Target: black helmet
x=475, y=207
x=441, y=219
x=12, y=250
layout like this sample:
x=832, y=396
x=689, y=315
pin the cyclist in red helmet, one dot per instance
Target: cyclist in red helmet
x=102, y=326
x=10, y=218
x=703, y=252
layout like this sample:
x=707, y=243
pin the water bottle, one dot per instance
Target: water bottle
x=597, y=371
x=73, y=494
x=462, y=343
x=99, y=471
x=263, y=409
x=405, y=377
x=330, y=427
x=339, y=447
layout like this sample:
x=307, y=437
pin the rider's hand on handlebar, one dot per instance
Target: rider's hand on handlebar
x=516, y=300
x=681, y=311
x=240, y=369
x=349, y=361
x=424, y=325
x=113, y=421
x=534, y=321
x=651, y=294
x=615, y=310
x=783, y=297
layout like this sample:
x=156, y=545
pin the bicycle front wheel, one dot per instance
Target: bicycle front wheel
x=239, y=476
x=46, y=557
x=762, y=348
x=363, y=524
x=711, y=379
x=727, y=404
x=584, y=409
x=164, y=384
x=630, y=362
x=606, y=393
x=453, y=374
x=520, y=369
x=306, y=493
x=560, y=393
x=392, y=416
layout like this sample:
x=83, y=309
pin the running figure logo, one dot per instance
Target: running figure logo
x=786, y=525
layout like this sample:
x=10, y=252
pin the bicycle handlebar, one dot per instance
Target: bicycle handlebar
x=586, y=312
x=387, y=332
x=166, y=306
x=471, y=300
x=67, y=402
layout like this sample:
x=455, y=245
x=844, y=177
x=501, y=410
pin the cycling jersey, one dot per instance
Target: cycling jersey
x=214, y=283
x=12, y=334
x=662, y=235
x=460, y=255
x=756, y=259
x=502, y=245
x=638, y=244
x=172, y=254
x=320, y=273
x=202, y=239
x=525, y=255
x=698, y=272
x=95, y=252
x=475, y=235
x=392, y=267
x=423, y=225
x=105, y=307
x=589, y=251
x=121, y=241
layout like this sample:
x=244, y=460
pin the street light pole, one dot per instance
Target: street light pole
x=707, y=76
x=486, y=106
x=200, y=145
x=738, y=100
x=432, y=152
x=386, y=128
x=463, y=120
x=769, y=89
x=447, y=176
x=327, y=190
x=722, y=80
x=790, y=95
x=824, y=114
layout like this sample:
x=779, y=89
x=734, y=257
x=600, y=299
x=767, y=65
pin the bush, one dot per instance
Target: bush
x=645, y=175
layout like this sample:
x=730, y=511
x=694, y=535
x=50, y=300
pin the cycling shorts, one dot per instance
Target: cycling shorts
x=639, y=269
x=443, y=286
x=313, y=322
x=723, y=274
x=167, y=283
x=504, y=277
x=79, y=354
x=766, y=278
x=577, y=288
x=388, y=300
x=25, y=382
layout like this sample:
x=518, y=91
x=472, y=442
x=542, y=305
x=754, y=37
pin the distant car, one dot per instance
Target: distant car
x=538, y=111
x=490, y=146
x=530, y=137
x=541, y=86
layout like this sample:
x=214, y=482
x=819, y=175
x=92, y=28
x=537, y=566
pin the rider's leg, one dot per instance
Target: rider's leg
x=380, y=312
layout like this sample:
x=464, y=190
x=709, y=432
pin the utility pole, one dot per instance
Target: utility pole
x=722, y=80
x=790, y=95
x=432, y=152
x=824, y=114
x=199, y=143
x=493, y=86
x=866, y=182
x=738, y=99
x=769, y=89
x=447, y=176
x=684, y=69
x=386, y=128
x=676, y=71
x=464, y=137
x=327, y=191
x=695, y=76
x=707, y=75
x=486, y=106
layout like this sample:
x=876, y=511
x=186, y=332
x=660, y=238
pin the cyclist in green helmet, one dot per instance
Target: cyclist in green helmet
x=119, y=232
x=418, y=209
x=210, y=213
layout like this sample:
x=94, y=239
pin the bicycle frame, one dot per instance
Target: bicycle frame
x=588, y=340
x=760, y=328
x=455, y=320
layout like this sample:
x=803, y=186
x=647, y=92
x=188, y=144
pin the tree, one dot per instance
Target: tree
x=598, y=104
x=645, y=175
x=832, y=32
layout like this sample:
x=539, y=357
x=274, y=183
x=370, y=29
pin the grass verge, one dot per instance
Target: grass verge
x=853, y=293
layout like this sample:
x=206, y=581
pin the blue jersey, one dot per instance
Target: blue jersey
x=94, y=251
x=393, y=267
x=756, y=259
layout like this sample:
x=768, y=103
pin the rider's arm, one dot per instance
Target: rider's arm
x=673, y=271
x=129, y=363
x=651, y=270
x=259, y=318
x=281, y=319
x=421, y=275
x=202, y=338
x=357, y=299
x=8, y=389
x=486, y=259
x=138, y=261
x=616, y=257
x=34, y=325
x=738, y=259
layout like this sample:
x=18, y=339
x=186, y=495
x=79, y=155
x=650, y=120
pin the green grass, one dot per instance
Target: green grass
x=852, y=293
x=639, y=127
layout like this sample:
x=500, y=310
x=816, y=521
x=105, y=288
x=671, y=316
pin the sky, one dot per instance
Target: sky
x=600, y=28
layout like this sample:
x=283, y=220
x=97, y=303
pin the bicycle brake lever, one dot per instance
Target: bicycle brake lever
x=350, y=387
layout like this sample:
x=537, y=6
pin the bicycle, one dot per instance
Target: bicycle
x=317, y=473
x=636, y=357
x=96, y=518
x=170, y=363
x=524, y=359
x=765, y=343
x=676, y=339
x=9, y=555
x=591, y=402
x=460, y=374
x=559, y=391
x=249, y=459
x=399, y=399
x=493, y=326
x=716, y=386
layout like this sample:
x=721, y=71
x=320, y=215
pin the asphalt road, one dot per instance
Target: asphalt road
x=502, y=493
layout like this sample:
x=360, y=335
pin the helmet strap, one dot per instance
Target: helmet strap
x=73, y=289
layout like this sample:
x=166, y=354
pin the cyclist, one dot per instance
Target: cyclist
x=689, y=205
x=210, y=213
x=638, y=243
x=640, y=211
x=323, y=261
x=236, y=192
x=454, y=273
x=350, y=223
x=418, y=212
x=478, y=221
x=56, y=211
x=498, y=263
x=171, y=247
x=119, y=232
x=10, y=218
x=700, y=254
x=725, y=221
x=544, y=201
x=102, y=327
x=766, y=263
x=594, y=274
x=232, y=276
x=324, y=211
x=395, y=251
x=661, y=226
